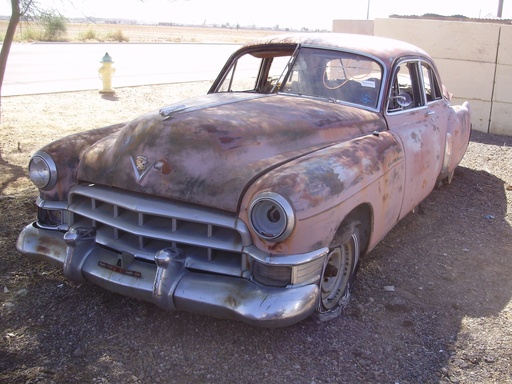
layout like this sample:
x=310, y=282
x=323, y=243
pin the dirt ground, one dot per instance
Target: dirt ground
x=447, y=318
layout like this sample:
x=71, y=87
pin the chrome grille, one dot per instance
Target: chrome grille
x=143, y=225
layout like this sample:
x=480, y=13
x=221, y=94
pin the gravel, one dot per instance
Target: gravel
x=432, y=300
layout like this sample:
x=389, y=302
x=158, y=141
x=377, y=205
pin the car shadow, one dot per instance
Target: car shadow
x=450, y=261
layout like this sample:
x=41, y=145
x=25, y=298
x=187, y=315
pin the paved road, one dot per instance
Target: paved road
x=46, y=68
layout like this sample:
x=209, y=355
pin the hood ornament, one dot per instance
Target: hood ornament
x=141, y=162
x=140, y=167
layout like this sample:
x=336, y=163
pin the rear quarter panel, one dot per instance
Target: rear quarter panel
x=459, y=127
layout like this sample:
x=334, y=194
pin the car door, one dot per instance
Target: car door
x=412, y=118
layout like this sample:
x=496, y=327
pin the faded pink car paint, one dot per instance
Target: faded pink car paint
x=220, y=151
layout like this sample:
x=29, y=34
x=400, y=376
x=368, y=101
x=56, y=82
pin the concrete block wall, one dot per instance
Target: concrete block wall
x=474, y=61
x=501, y=116
x=360, y=27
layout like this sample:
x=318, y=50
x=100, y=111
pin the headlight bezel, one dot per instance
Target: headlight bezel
x=271, y=217
x=42, y=171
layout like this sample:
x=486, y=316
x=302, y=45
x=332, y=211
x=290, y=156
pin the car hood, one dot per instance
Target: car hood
x=207, y=150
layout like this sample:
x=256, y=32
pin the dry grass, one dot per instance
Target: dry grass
x=143, y=33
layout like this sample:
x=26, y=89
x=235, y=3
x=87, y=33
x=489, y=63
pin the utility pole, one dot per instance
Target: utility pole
x=368, y=10
x=500, y=8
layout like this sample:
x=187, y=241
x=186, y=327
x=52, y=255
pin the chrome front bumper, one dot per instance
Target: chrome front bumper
x=168, y=283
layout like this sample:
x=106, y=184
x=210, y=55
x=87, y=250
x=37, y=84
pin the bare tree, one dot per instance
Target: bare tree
x=19, y=9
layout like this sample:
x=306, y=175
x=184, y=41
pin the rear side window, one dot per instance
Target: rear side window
x=431, y=84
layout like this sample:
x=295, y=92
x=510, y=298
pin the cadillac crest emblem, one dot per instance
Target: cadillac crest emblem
x=141, y=162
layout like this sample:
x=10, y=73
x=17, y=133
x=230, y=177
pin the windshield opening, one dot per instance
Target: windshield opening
x=335, y=75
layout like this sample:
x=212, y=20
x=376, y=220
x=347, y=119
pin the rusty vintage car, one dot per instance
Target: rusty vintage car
x=256, y=201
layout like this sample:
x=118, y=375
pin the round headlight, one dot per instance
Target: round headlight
x=42, y=170
x=272, y=216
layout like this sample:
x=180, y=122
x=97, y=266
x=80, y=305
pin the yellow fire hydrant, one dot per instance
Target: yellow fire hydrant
x=106, y=72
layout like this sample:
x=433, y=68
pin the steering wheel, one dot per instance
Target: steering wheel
x=328, y=86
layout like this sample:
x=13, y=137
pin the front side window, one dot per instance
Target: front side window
x=406, y=89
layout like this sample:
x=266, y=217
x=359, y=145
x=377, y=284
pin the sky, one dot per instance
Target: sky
x=296, y=14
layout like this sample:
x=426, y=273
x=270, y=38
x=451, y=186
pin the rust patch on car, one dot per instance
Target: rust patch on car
x=48, y=246
x=164, y=166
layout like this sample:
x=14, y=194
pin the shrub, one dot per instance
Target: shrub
x=90, y=34
x=117, y=36
x=54, y=27
x=31, y=34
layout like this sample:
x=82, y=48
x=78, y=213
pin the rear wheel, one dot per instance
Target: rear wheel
x=338, y=275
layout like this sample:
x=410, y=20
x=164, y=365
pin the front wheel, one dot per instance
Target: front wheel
x=338, y=275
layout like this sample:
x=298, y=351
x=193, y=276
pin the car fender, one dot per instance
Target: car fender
x=325, y=186
x=66, y=154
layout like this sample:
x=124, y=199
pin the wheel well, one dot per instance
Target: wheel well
x=362, y=216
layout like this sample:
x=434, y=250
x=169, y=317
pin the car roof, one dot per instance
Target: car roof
x=383, y=48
